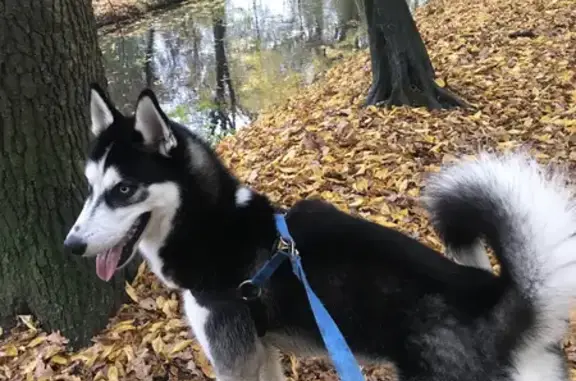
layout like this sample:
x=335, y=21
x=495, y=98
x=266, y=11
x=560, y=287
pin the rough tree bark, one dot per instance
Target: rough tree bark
x=49, y=55
x=402, y=73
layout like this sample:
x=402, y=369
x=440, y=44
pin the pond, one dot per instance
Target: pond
x=215, y=65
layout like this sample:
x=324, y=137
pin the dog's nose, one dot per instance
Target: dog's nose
x=75, y=245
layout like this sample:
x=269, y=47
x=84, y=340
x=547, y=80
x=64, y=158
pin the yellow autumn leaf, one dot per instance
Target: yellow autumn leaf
x=384, y=221
x=80, y=357
x=440, y=82
x=99, y=376
x=131, y=292
x=402, y=185
x=160, y=302
x=8, y=351
x=158, y=345
x=157, y=325
x=288, y=169
x=28, y=321
x=434, y=241
x=175, y=324
x=112, y=373
x=37, y=341
x=361, y=185
x=141, y=269
x=180, y=346
x=129, y=352
x=106, y=350
x=58, y=359
x=567, y=76
x=123, y=326
x=356, y=203
x=382, y=173
x=29, y=367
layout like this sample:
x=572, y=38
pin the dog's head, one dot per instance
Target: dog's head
x=132, y=172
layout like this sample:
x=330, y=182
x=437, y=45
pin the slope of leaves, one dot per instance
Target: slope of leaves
x=121, y=11
x=513, y=60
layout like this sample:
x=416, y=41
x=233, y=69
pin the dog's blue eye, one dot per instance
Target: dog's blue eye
x=125, y=189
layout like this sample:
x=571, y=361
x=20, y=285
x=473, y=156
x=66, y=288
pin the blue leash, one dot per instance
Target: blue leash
x=341, y=355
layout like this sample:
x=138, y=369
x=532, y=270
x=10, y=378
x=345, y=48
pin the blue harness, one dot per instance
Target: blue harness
x=340, y=353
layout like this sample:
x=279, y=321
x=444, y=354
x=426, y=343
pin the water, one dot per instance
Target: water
x=270, y=49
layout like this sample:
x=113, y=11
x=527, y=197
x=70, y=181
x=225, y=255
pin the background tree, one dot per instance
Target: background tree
x=49, y=55
x=149, y=59
x=402, y=73
x=220, y=115
x=348, y=18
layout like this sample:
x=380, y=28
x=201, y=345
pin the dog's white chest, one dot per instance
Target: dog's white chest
x=149, y=251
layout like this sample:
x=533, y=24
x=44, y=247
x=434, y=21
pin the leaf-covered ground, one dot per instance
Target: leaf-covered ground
x=513, y=60
x=117, y=11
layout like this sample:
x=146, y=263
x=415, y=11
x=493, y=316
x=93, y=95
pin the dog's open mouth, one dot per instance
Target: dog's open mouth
x=108, y=261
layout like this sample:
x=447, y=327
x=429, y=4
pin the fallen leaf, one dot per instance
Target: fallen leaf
x=60, y=360
x=112, y=373
x=131, y=292
x=180, y=346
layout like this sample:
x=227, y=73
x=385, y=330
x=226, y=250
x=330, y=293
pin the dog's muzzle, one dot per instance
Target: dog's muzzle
x=75, y=245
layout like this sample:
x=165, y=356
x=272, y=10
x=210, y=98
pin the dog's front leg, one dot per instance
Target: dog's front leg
x=271, y=370
x=227, y=334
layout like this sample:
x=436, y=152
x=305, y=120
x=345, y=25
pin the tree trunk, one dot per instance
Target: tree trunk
x=402, y=73
x=49, y=55
x=149, y=59
x=223, y=79
x=347, y=12
x=257, y=26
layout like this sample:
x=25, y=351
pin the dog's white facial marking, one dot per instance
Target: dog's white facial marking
x=243, y=196
x=111, y=178
x=100, y=114
x=197, y=316
x=99, y=225
x=164, y=199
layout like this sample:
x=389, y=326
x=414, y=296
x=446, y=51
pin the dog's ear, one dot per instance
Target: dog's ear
x=102, y=112
x=153, y=124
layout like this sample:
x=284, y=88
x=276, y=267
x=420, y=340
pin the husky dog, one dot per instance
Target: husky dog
x=157, y=189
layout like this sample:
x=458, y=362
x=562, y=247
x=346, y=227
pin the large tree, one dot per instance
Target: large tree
x=402, y=73
x=48, y=56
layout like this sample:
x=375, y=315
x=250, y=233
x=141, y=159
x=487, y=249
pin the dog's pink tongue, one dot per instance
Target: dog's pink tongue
x=107, y=262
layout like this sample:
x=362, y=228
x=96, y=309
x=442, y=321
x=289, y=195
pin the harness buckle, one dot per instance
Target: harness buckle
x=289, y=246
x=249, y=291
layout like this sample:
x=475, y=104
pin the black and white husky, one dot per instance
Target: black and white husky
x=157, y=189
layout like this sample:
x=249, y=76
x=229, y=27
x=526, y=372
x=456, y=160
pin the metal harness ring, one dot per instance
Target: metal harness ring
x=249, y=291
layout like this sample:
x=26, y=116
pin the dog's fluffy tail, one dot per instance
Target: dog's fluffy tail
x=525, y=213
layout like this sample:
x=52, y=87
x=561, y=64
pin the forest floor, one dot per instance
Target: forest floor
x=108, y=12
x=513, y=60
